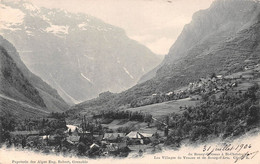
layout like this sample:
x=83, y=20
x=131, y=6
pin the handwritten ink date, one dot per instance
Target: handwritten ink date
x=226, y=148
x=243, y=146
x=241, y=151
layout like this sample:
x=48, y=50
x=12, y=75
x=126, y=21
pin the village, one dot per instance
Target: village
x=87, y=139
x=121, y=133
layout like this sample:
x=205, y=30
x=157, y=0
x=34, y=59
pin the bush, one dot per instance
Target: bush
x=198, y=132
x=253, y=115
x=106, y=121
x=81, y=148
x=228, y=131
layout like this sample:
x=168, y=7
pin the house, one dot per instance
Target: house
x=139, y=138
x=46, y=137
x=94, y=146
x=113, y=137
x=98, y=137
x=73, y=139
x=220, y=77
x=72, y=127
x=77, y=131
x=112, y=149
x=249, y=67
x=94, y=150
x=81, y=132
x=169, y=94
x=134, y=135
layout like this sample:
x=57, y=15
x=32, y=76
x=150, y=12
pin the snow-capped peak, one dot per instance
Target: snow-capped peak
x=57, y=30
x=10, y=17
x=31, y=7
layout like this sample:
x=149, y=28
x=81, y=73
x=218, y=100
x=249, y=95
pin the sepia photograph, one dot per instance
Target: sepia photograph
x=129, y=81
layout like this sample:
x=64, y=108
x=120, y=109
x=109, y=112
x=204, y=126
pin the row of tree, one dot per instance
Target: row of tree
x=131, y=116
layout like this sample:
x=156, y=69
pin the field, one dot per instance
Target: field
x=165, y=108
x=124, y=123
x=258, y=81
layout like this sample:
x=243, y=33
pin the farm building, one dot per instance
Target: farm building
x=94, y=146
x=73, y=139
x=139, y=138
x=71, y=128
x=113, y=137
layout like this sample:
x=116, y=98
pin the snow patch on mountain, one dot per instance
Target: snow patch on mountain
x=8, y=26
x=10, y=17
x=85, y=77
x=118, y=61
x=97, y=47
x=126, y=71
x=83, y=26
x=101, y=29
x=90, y=58
x=29, y=33
x=143, y=69
x=45, y=18
x=31, y=7
x=57, y=30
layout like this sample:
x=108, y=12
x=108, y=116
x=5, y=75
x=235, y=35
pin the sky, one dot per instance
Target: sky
x=154, y=23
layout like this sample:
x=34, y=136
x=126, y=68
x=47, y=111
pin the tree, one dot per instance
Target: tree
x=81, y=148
x=166, y=131
x=167, y=120
x=8, y=122
x=199, y=131
x=213, y=75
x=148, y=118
x=253, y=114
x=23, y=142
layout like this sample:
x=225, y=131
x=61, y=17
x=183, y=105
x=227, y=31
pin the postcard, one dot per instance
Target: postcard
x=129, y=81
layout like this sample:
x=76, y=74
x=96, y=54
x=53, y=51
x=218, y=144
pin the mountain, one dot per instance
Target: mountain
x=22, y=92
x=222, y=39
x=77, y=54
x=218, y=40
x=209, y=31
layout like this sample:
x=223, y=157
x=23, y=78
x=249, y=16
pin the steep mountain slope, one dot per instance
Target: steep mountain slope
x=78, y=55
x=209, y=28
x=222, y=39
x=17, y=94
x=19, y=85
x=14, y=83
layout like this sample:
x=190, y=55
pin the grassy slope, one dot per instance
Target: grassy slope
x=165, y=108
x=18, y=107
